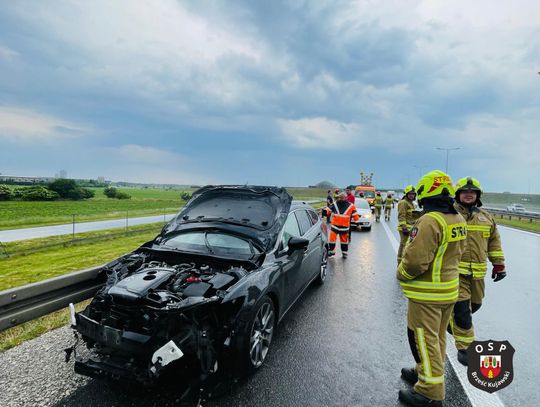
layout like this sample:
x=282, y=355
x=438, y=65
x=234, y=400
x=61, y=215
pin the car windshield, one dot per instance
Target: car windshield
x=209, y=242
x=361, y=204
x=367, y=194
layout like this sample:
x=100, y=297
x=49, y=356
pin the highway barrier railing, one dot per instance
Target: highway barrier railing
x=503, y=213
x=22, y=304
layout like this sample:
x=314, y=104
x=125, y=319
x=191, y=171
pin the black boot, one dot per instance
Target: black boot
x=410, y=375
x=412, y=398
x=462, y=357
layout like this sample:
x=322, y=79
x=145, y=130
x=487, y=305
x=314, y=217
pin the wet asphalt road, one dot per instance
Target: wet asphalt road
x=510, y=312
x=343, y=344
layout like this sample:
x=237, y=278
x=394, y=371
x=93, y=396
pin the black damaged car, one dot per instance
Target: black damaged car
x=208, y=292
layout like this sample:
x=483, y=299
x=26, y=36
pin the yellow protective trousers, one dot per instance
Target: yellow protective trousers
x=471, y=294
x=403, y=238
x=426, y=329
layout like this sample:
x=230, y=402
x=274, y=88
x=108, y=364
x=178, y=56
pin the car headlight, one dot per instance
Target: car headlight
x=367, y=215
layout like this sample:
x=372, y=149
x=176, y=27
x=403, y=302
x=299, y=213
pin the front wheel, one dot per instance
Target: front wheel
x=323, y=271
x=255, y=341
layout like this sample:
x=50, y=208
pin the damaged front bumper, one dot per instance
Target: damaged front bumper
x=127, y=349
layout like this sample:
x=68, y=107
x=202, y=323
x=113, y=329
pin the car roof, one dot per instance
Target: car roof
x=300, y=205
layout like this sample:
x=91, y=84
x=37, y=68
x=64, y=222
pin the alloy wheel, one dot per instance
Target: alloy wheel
x=261, y=334
x=324, y=265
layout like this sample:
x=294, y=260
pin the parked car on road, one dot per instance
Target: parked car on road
x=208, y=292
x=518, y=208
x=366, y=217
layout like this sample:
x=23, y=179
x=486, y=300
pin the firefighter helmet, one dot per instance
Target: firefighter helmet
x=434, y=183
x=409, y=188
x=378, y=193
x=469, y=184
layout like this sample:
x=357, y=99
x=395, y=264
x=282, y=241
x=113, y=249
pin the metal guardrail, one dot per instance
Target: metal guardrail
x=516, y=215
x=35, y=300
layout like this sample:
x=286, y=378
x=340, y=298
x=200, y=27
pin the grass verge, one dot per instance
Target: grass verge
x=54, y=261
x=26, y=247
x=520, y=224
x=29, y=330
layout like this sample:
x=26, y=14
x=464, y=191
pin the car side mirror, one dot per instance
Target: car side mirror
x=297, y=243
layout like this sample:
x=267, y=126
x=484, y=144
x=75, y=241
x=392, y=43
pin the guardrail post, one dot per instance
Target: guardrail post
x=127, y=217
x=4, y=250
x=73, y=232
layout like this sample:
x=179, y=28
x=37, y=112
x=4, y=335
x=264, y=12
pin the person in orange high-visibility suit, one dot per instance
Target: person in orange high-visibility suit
x=341, y=212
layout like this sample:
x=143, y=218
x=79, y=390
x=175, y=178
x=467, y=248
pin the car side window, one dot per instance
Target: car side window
x=289, y=230
x=314, y=217
x=304, y=221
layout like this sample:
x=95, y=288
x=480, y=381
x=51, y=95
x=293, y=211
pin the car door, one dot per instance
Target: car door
x=312, y=257
x=291, y=263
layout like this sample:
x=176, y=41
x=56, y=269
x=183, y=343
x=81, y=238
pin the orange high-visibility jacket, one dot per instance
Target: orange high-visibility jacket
x=341, y=212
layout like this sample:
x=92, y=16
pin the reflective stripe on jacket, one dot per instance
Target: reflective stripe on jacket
x=342, y=211
x=428, y=270
x=483, y=242
x=407, y=214
x=377, y=201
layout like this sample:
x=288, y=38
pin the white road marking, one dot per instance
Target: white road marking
x=518, y=230
x=391, y=237
x=478, y=398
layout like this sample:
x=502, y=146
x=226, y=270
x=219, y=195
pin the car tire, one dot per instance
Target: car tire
x=323, y=271
x=255, y=339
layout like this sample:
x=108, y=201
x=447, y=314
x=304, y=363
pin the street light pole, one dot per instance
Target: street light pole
x=420, y=168
x=447, y=151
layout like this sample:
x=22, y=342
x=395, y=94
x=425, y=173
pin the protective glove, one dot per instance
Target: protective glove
x=405, y=230
x=498, y=272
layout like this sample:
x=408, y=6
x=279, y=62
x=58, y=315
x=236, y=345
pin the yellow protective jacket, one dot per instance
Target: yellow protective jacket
x=407, y=215
x=377, y=201
x=389, y=203
x=483, y=242
x=428, y=270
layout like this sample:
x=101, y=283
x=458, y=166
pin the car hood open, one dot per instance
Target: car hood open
x=258, y=212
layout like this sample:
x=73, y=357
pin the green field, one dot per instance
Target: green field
x=43, y=261
x=18, y=214
x=143, y=202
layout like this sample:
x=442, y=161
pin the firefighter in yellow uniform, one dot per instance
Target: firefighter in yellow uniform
x=429, y=278
x=388, y=205
x=407, y=215
x=483, y=242
x=341, y=212
x=377, y=204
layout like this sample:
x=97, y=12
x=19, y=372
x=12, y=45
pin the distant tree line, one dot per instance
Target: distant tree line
x=58, y=189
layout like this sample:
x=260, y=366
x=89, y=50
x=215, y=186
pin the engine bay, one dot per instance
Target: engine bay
x=159, y=284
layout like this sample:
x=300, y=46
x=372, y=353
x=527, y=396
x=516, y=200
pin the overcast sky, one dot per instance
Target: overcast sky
x=270, y=92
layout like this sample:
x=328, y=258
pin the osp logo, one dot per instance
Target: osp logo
x=438, y=181
x=490, y=365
